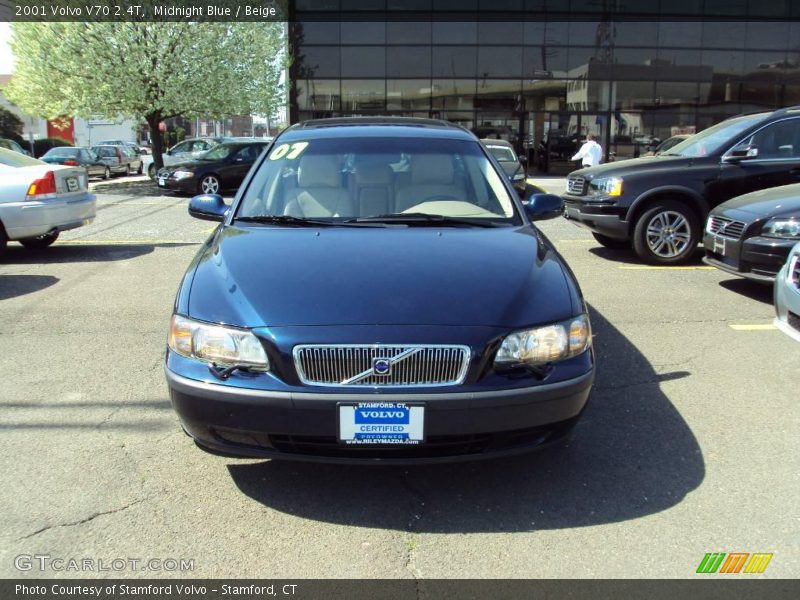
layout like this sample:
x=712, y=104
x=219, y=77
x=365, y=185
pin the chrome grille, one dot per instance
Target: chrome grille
x=576, y=185
x=354, y=365
x=725, y=227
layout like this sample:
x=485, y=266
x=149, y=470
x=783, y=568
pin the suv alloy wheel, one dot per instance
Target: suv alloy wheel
x=667, y=233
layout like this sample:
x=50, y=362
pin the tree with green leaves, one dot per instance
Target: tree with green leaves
x=147, y=71
x=10, y=125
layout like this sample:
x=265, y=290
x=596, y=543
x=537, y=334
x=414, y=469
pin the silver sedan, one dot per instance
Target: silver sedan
x=39, y=200
x=787, y=295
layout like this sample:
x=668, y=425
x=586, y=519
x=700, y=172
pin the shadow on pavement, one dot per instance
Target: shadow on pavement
x=127, y=187
x=632, y=455
x=628, y=256
x=12, y=286
x=750, y=289
x=83, y=252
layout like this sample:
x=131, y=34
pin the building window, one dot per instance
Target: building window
x=408, y=94
x=364, y=61
x=363, y=95
x=318, y=94
x=455, y=94
x=408, y=61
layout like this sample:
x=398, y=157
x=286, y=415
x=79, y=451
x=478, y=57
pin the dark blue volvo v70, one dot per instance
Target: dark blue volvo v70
x=377, y=293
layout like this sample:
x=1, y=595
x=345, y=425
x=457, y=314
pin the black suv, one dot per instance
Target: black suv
x=659, y=204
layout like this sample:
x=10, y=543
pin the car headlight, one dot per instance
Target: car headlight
x=782, y=228
x=182, y=174
x=546, y=344
x=607, y=186
x=518, y=177
x=216, y=344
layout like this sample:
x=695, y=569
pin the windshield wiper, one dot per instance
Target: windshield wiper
x=284, y=220
x=291, y=221
x=424, y=220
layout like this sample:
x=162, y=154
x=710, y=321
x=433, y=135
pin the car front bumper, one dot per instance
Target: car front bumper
x=187, y=184
x=34, y=218
x=787, y=298
x=603, y=218
x=303, y=426
x=756, y=258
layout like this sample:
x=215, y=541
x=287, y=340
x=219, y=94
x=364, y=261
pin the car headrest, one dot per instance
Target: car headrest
x=373, y=172
x=431, y=168
x=319, y=171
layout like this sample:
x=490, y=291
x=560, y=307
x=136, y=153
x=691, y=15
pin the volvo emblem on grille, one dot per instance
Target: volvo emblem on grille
x=382, y=366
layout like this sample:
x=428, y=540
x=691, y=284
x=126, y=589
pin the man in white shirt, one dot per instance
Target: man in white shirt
x=590, y=153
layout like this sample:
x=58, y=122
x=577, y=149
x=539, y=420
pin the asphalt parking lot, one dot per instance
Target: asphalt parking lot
x=688, y=446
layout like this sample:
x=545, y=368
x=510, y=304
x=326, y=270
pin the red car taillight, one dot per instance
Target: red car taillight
x=70, y=163
x=42, y=187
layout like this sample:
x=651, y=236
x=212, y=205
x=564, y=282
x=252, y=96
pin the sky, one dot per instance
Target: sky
x=6, y=58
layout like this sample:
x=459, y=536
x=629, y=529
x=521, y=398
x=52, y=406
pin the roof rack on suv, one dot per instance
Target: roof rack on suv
x=787, y=110
x=367, y=120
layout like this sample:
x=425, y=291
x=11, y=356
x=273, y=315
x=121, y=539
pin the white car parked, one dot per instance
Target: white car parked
x=182, y=152
x=39, y=200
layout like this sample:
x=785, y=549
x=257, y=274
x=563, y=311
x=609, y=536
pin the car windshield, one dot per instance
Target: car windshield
x=502, y=153
x=712, y=140
x=380, y=179
x=10, y=158
x=218, y=153
x=70, y=152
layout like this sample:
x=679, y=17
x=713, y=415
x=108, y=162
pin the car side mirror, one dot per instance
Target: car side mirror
x=541, y=207
x=208, y=207
x=738, y=154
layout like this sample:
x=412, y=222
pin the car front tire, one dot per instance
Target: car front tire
x=667, y=233
x=3, y=240
x=107, y=174
x=42, y=241
x=209, y=184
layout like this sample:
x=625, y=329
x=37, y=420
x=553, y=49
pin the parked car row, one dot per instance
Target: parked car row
x=102, y=160
x=734, y=187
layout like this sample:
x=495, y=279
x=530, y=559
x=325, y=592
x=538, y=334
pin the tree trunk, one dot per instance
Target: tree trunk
x=153, y=121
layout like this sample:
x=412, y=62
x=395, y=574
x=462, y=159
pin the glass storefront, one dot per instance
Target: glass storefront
x=543, y=85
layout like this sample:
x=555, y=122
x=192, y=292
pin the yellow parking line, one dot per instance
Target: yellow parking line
x=655, y=268
x=752, y=327
x=120, y=242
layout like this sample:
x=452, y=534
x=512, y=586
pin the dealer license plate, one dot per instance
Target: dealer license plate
x=72, y=184
x=381, y=423
x=162, y=181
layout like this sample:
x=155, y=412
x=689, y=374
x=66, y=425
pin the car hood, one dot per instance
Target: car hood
x=281, y=276
x=771, y=202
x=621, y=168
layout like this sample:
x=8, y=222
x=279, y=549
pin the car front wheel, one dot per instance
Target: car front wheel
x=3, y=240
x=42, y=241
x=667, y=233
x=208, y=185
x=151, y=171
x=107, y=174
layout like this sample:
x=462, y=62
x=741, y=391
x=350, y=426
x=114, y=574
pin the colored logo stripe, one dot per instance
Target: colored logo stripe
x=734, y=563
x=757, y=563
x=711, y=562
